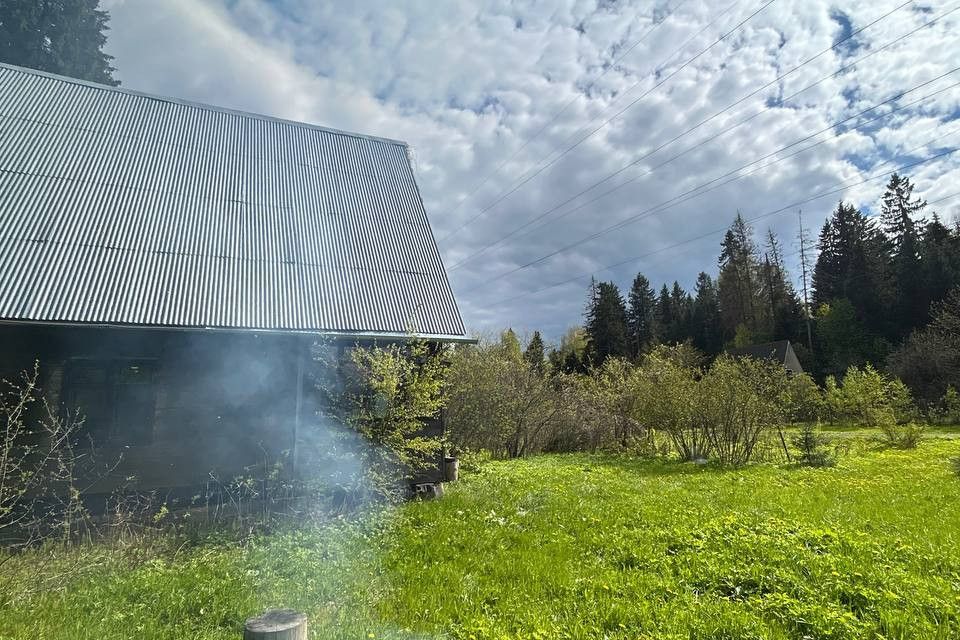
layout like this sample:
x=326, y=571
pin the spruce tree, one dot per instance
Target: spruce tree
x=681, y=305
x=940, y=262
x=898, y=208
x=737, y=282
x=59, y=36
x=606, y=324
x=664, y=315
x=641, y=316
x=705, y=317
x=853, y=264
x=535, y=353
x=784, y=313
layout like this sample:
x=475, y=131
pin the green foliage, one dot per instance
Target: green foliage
x=813, y=447
x=571, y=356
x=902, y=436
x=498, y=401
x=64, y=37
x=738, y=401
x=641, y=316
x=951, y=406
x=566, y=546
x=384, y=394
x=867, y=398
x=803, y=399
x=929, y=361
x=614, y=394
x=535, y=354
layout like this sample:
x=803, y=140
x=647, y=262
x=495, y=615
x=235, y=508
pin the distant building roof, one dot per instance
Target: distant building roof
x=780, y=352
x=121, y=208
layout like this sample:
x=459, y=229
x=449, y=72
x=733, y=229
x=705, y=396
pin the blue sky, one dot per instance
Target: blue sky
x=474, y=86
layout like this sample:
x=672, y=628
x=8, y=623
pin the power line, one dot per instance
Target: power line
x=566, y=106
x=643, y=214
x=714, y=136
x=830, y=127
x=789, y=207
x=546, y=166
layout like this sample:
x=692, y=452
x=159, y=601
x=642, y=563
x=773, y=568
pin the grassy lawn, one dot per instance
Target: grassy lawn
x=572, y=546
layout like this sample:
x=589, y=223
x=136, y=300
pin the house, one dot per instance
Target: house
x=170, y=265
x=780, y=352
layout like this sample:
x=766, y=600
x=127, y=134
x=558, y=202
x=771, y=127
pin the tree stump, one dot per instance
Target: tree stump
x=276, y=624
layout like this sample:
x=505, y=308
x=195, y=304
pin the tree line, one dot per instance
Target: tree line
x=875, y=285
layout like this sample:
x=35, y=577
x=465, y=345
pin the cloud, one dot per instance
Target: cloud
x=473, y=86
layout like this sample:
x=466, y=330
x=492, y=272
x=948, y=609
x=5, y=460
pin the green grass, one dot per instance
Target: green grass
x=572, y=546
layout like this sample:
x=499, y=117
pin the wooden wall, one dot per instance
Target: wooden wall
x=221, y=401
x=224, y=403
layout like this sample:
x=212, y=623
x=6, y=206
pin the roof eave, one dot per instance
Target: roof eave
x=319, y=333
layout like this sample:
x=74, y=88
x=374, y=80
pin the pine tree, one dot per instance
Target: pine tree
x=705, y=317
x=641, y=316
x=535, y=353
x=607, y=324
x=60, y=36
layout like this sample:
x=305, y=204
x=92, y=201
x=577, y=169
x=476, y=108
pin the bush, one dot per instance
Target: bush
x=803, y=398
x=615, y=394
x=813, y=447
x=868, y=398
x=738, y=400
x=40, y=469
x=902, y=436
x=384, y=394
x=929, y=360
x=951, y=406
x=668, y=387
x=499, y=402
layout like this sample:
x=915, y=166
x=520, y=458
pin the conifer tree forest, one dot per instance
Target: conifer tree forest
x=878, y=289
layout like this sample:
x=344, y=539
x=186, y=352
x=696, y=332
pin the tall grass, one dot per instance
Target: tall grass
x=567, y=546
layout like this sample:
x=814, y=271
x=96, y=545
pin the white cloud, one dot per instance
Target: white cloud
x=467, y=84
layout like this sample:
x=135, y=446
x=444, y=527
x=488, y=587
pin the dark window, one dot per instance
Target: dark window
x=116, y=399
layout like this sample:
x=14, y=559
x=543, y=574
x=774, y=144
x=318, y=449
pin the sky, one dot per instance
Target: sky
x=555, y=140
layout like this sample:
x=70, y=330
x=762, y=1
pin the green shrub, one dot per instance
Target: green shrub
x=902, y=436
x=738, y=400
x=868, y=398
x=951, y=406
x=498, y=402
x=384, y=394
x=803, y=398
x=813, y=447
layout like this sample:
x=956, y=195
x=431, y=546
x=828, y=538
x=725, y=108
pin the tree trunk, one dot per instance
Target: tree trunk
x=276, y=624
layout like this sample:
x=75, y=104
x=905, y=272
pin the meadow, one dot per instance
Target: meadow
x=559, y=546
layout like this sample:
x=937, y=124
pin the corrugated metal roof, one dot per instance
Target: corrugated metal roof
x=121, y=208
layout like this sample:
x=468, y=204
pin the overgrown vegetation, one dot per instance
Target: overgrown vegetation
x=564, y=546
x=670, y=402
x=375, y=400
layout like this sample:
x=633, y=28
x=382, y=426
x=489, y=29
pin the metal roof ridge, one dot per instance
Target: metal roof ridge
x=203, y=105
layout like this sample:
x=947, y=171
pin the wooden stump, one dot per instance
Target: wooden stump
x=276, y=624
x=451, y=469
